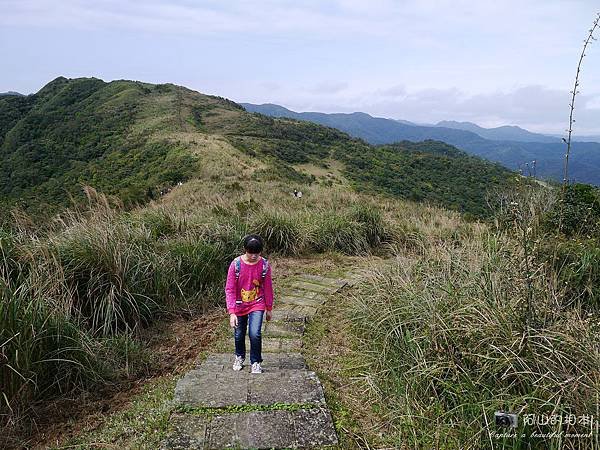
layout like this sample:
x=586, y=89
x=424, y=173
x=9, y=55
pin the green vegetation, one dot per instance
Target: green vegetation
x=72, y=298
x=446, y=345
x=74, y=132
x=577, y=213
x=439, y=339
x=572, y=244
x=75, y=294
x=428, y=171
x=136, y=140
x=143, y=424
x=508, y=146
x=211, y=411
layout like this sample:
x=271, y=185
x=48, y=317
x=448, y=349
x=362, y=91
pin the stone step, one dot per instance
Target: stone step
x=220, y=362
x=280, y=344
x=325, y=281
x=300, y=300
x=352, y=278
x=278, y=328
x=217, y=385
x=283, y=407
x=312, y=287
x=274, y=344
x=293, y=313
x=298, y=292
x=303, y=428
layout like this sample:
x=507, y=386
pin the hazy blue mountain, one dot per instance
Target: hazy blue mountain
x=374, y=130
x=18, y=94
x=579, y=138
x=584, y=163
x=503, y=133
x=406, y=122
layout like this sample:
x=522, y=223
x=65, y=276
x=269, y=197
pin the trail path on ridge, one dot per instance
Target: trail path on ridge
x=284, y=407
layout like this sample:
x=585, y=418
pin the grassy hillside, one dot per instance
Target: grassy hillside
x=88, y=131
x=136, y=140
x=466, y=318
x=73, y=298
x=466, y=321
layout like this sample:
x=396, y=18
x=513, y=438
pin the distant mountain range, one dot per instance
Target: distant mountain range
x=579, y=138
x=504, y=133
x=508, y=133
x=511, y=146
x=4, y=94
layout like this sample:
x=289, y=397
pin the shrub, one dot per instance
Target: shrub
x=374, y=225
x=109, y=277
x=578, y=211
x=332, y=231
x=199, y=266
x=282, y=233
x=43, y=350
x=230, y=232
x=71, y=300
x=577, y=265
x=159, y=222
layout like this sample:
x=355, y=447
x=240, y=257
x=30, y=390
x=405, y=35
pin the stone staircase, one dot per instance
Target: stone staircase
x=284, y=407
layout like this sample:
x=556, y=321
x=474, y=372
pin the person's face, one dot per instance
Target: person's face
x=252, y=257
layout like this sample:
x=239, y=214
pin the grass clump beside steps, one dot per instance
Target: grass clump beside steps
x=447, y=343
x=357, y=230
x=74, y=297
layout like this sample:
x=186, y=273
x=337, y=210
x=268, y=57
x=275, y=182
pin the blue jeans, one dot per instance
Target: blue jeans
x=253, y=322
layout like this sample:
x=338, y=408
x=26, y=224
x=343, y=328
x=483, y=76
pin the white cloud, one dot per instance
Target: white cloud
x=330, y=87
x=488, y=61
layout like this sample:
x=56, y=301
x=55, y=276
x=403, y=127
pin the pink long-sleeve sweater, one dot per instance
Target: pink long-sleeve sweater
x=255, y=295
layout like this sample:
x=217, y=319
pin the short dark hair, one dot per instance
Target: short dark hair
x=253, y=243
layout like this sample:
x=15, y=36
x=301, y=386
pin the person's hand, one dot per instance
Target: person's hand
x=269, y=315
x=233, y=321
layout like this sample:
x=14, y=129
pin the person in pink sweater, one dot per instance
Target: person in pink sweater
x=249, y=293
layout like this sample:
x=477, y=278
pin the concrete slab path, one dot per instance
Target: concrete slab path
x=284, y=407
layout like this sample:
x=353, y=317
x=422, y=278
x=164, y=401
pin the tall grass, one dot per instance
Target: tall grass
x=375, y=230
x=283, y=232
x=447, y=344
x=577, y=263
x=336, y=232
x=44, y=352
x=75, y=293
x=67, y=294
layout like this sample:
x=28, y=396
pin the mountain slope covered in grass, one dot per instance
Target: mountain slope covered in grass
x=136, y=140
x=584, y=164
x=88, y=131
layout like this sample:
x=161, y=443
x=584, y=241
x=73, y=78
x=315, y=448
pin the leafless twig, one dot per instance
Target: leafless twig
x=574, y=92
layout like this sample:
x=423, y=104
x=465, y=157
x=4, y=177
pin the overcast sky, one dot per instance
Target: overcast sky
x=491, y=62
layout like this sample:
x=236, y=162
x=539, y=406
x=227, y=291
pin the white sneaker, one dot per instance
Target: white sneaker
x=238, y=363
x=256, y=368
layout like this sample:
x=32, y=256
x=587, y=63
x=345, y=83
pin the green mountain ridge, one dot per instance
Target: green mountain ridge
x=134, y=139
x=11, y=93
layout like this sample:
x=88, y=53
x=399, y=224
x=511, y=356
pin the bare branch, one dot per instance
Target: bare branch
x=573, y=93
